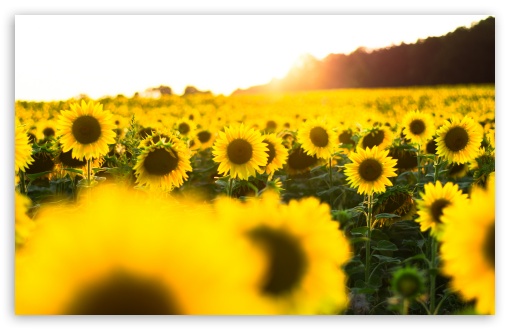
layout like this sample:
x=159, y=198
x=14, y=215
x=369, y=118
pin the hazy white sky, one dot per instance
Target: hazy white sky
x=61, y=56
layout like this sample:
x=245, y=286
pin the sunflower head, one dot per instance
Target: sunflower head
x=468, y=246
x=23, y=149
x=317, y=138
x=458, y=140
x=276, y=153
x=379, y=136
x=395, y=200
x=435, y=199
x=240, y=152
x=86, y=129
x=370, y=170
x=418, y=126
x=163, y=164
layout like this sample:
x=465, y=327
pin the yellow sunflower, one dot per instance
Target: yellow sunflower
x=370, y=170
x=380, y=137
x=147, y=256
x=86, y=129
x=418, y=127
x=458, y=140
x=468, y=247
x=22, y=149
x=24, y=225
x=277, y=153
x=185, y=127
x=435, y=199
x=240, y=151
x=163, y=162
x=317, y=138
x=303, y=248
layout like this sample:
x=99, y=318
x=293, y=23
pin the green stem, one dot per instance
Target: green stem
x=433, y=252
x=405, y=306
x=229, y=191
x=369, y=235
x=330, y=173
x=88, y=172
x=418, y=159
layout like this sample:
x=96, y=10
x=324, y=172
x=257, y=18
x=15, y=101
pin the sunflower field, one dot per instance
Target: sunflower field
x=355, y=201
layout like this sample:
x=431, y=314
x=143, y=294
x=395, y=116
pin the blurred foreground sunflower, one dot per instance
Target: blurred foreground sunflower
x=303, y=248
x=143, y=260
x=468, y=248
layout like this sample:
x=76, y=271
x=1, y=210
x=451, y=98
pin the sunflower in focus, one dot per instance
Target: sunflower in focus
x=317, y=138
x=303, y=248
x=380, y=137
x=22, y=149
x=458, y=140
x=86, y=129
x=468, y=248
x=370, y=170
x=418, y=127
x=159, y=266
x=163, y=162
x=24, y=225
x=240, y=151
x=276, y=154
x=435, y=199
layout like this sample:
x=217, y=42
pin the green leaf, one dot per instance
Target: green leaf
x=386, y=215
x=386, y=259
x=360, y=230
x=37, y=175
x=385, y=246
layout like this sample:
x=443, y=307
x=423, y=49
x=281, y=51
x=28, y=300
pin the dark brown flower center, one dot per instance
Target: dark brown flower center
x=370, y=170
x=43, y=162
x=124, y=294
x=319, y=137
x=299, y=160
x=287, y=261
x=160, y=162
x=373, y=139
x=489, y=246
x=417, y=126
x=48, y=131
x=437, y=209
x=184, y=128
x=271, y=153
x=270, y=126
x=239, y=151
x=456, y=139
x=346, y=138
x=432, y=147
x=86, y=129
x=68, y=160
x=204, y=136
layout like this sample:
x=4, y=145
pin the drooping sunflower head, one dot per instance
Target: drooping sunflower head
x=317, y=138
x=418, y=126
x=458, y=140
x=379, y=136
x=22, y=149
x=162, y=164
x=86, y=129
x=276, y=154
x=396, y=200
x=435, y=199
x=406, y=158
x=468, y=248
x=299, y=162
x=240, y=152
x=370, y=170
x=303, y=250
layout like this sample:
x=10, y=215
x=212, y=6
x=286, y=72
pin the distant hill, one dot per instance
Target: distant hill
x=465, y=56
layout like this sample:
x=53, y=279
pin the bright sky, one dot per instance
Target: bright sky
x=59, y=57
